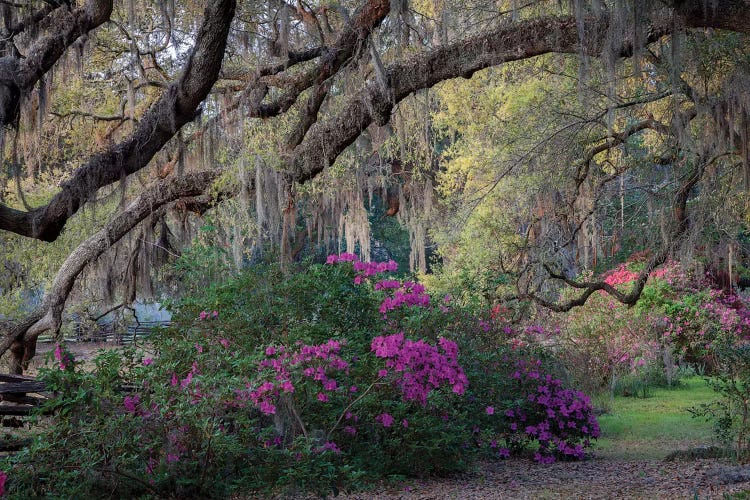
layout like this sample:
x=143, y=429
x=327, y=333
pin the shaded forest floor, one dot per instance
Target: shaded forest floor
x=629, y=461
x=600, y=477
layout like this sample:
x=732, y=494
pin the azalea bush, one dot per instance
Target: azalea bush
x=316, y=380
x=605, y=343
x=609, y=346
x=699, y=319
x=525, y=407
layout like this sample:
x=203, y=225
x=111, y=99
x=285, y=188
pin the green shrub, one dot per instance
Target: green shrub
x=318, y=380
x=730, y=414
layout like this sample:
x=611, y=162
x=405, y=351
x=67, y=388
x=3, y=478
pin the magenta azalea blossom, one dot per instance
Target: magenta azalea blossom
x=131, y=403
x=385, y=419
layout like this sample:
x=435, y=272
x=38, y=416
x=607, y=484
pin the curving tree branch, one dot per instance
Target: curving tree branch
x=318, y=143
x=521, y=40
x=176, y=107
x=332, y=59
x=678, y=230
x=18, y=76
x=21, y=338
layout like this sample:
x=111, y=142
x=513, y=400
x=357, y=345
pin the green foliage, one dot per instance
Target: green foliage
x=658, y=294
x=198, y=267
x=638, y=429
x=608, y=346
x=269, y=382
x=265, y=304
x=393, y=240
x=730, y=415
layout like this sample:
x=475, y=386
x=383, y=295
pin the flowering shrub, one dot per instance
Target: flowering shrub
x=283, y=366
x=561, y=420
x=307, y=381
x=521, y=403
x=605, y=341
x=420, y=366
x=677, y=323
x=698, y=319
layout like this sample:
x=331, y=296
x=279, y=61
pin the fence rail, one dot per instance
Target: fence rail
x=20, y=395
x=111, y=332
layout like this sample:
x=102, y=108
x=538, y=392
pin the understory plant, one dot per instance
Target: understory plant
x=314, y=381
x=676, y=325
x=730, y=414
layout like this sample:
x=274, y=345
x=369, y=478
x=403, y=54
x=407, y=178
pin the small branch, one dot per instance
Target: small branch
x=113, y=308
x=351, y=405
x=83, y=114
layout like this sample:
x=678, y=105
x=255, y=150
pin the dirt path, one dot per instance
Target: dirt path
x=596, y=478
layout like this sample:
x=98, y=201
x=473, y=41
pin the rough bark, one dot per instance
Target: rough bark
x=175, y=108
x=374, y=103
x=730, y=15
x=21, y=338
x=18, y=76
x=323, y=141
x=348, y=43
x=678, y=229
x=521, y=40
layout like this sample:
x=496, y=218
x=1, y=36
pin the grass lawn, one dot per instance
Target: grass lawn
x=651, y=428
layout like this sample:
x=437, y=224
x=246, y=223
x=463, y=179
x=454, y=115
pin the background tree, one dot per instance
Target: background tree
x=334, y=97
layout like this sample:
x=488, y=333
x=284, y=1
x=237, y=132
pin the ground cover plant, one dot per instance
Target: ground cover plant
x=318, y=380
x=654, y=427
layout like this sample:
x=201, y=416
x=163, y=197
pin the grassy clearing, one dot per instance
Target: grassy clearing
x=651, y=428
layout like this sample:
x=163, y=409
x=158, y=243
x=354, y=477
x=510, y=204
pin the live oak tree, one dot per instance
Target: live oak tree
x=274, y=97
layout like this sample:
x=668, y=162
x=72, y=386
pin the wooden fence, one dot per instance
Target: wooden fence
x=19, y=395
x=110, y=332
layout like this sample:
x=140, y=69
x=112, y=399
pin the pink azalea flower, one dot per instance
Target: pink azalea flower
x=287, y=386
x=131, y=403
x=385, y=419
x=331, y=446
x=267, y=408
x=151, y=465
